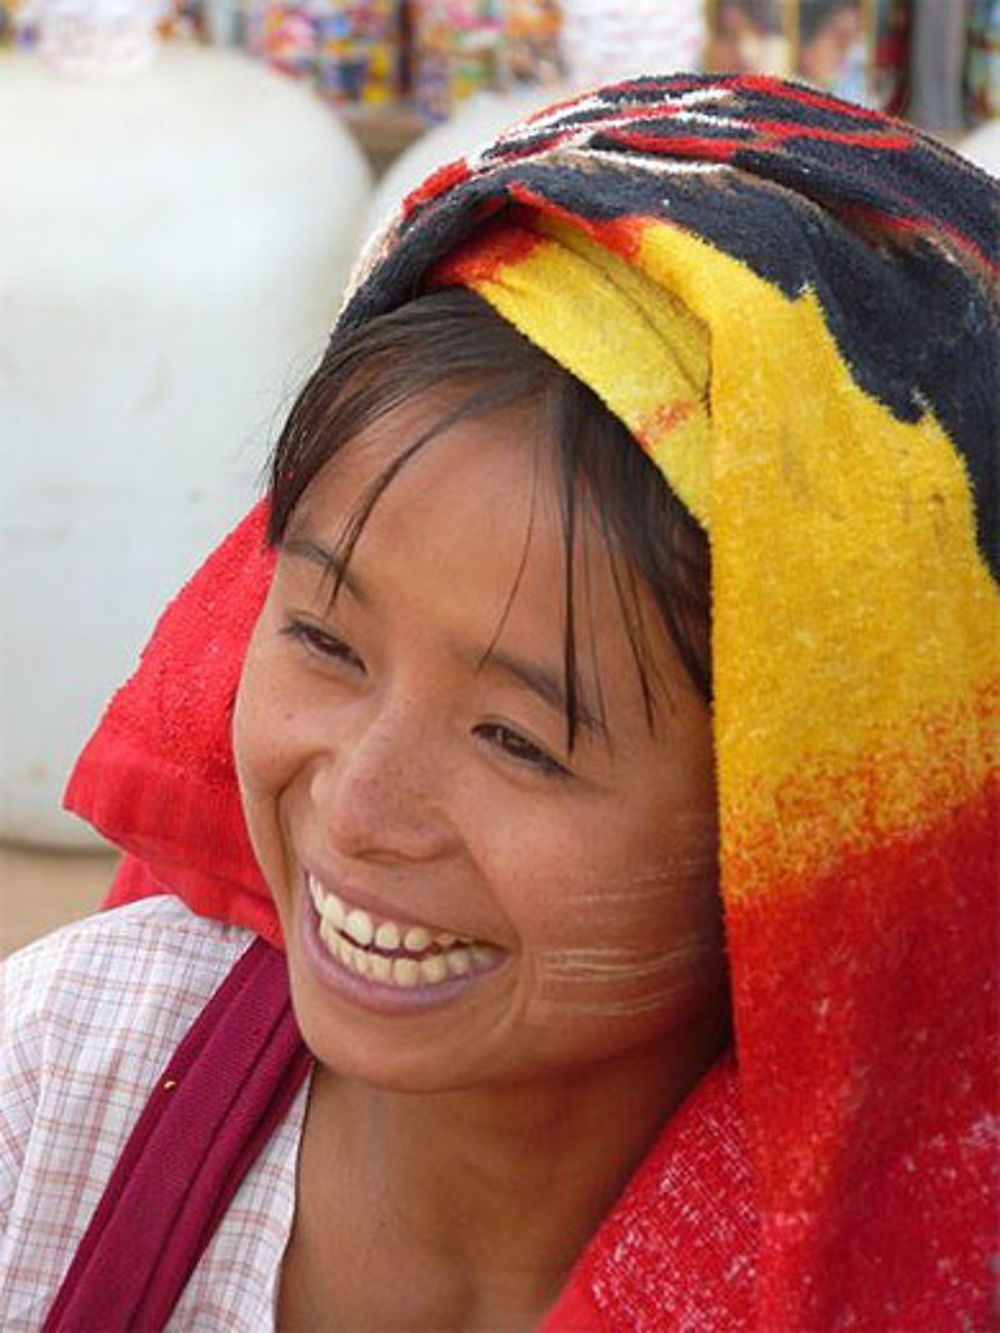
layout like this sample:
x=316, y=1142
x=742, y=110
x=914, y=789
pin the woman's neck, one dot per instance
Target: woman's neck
x=468, y=1208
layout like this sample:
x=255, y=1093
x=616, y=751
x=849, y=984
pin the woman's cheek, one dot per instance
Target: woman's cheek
x=626, y=932
x=265, y=754
x=255, y=753
x=268, y=712
x=667, y=983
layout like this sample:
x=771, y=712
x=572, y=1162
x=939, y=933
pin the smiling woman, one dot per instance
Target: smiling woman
x=532, y=891
x=426, y=684
x=561, y=819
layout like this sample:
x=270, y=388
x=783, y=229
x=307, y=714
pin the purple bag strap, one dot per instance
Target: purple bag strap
x=228, y=1086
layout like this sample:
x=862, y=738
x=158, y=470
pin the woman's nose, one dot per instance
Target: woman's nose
x=381, y=793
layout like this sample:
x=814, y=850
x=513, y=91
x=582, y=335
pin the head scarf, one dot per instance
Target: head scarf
x=792, y=303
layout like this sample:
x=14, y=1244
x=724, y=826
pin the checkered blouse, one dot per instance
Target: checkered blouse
x=89, y=1017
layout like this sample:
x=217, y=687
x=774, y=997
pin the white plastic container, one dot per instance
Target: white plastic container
x=173, y=246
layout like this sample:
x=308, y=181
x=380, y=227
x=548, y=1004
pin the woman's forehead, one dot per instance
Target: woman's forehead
x=474, y=526
x=425, y=449
x=484, y=461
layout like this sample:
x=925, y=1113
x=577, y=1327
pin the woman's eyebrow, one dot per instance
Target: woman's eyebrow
x=544, y=682
x=541, y=680
x=304, y=547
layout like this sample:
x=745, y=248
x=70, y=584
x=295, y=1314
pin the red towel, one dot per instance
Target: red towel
x=157, y=778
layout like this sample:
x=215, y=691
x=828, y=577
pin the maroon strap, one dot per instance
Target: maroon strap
x=226, y=1089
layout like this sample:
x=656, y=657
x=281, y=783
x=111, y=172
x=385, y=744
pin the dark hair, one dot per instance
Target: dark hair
x=451, y=339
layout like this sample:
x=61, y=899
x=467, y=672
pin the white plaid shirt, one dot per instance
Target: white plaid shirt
x=89, y=1018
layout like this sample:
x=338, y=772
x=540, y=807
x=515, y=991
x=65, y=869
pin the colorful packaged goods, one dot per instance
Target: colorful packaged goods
x=458, y=50
x=857, y=49
x=358, y=50
x=533, y=29
x=285, y=36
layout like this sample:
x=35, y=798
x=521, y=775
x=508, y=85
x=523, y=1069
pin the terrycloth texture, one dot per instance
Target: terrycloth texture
x=833, y=275
x=157, y=778
x=679, y=1249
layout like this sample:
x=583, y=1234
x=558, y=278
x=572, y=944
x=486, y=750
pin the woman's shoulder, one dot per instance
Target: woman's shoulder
x=90, y=1015
x=162, y=922
x=89, y=1018
x=154, y=955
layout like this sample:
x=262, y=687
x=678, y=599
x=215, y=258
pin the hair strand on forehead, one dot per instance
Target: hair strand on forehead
x=450, y=344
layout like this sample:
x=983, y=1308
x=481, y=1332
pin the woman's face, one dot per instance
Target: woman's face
x=464, y=900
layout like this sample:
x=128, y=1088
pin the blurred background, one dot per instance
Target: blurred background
x=185, y=188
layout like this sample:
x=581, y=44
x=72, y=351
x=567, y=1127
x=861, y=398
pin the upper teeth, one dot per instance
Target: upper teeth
x=420, y=956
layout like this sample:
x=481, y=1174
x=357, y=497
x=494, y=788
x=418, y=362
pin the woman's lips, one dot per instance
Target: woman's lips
x=394, y=954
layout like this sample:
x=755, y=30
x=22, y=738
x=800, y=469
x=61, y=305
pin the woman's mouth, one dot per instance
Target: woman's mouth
x=393, y=954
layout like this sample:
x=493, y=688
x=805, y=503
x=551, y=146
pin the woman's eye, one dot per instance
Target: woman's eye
x=519, y=748
x=322, y=643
